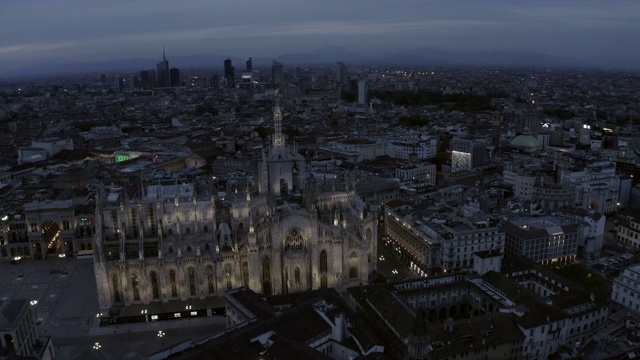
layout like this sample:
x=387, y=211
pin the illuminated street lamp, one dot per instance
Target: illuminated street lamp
x=161, y=334
x=97, y=346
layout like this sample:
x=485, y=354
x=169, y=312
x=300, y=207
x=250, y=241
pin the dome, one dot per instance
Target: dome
x=525, y=141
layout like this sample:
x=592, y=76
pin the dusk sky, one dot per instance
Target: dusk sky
x=36, y=31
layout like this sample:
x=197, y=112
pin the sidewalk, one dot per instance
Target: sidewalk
x=96, y=329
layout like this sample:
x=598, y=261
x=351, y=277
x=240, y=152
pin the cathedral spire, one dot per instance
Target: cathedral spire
x=278, y=138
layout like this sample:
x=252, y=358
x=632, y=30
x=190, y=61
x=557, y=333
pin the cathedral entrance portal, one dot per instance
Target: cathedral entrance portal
x=284, y=187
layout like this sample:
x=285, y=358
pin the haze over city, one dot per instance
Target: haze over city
x=581, y=33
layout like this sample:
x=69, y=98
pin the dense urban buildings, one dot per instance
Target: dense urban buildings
x=456, y=216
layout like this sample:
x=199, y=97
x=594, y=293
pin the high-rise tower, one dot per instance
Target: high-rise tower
x=162, y=71
x=341, y=74
x=277, y=73
x=249, y=64
x=229, y=74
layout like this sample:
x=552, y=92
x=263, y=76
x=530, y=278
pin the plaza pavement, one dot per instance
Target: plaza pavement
x=67, y=304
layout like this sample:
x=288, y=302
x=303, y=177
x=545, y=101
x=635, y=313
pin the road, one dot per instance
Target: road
x=392, y=262
x=131, y=345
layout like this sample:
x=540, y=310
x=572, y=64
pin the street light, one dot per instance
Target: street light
x=97, y=346
x=160, y=335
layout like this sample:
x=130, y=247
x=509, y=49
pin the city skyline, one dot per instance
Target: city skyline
x=589, y=32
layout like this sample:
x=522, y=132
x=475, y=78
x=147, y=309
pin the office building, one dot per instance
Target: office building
x=626, y=288
x=545, y=239
x=249, y=64
x=147, y=79
x=362, y=92
x=277, y=74
x=341, y=75
x=174, y=77
x=229, y=74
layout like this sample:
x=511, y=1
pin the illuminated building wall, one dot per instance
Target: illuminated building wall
x=460, y=161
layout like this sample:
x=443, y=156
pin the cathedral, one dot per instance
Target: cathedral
x=281, y=229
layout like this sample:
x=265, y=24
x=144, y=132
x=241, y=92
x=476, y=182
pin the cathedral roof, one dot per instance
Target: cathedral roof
x=283, y=154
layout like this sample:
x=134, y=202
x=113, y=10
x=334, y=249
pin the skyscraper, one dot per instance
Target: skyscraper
x=162, y=72
x=147, y=79
x=249, y=64
x=277, y=73
x=229, y=74
x=341, y=74
x=174, y=77
x=362, y=92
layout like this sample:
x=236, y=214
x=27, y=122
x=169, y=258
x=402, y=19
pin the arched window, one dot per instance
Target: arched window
x=174, y=285
x=323, y=261
x=266, y=276
x=367, y=235
x=170, y=232
x=192, y=281
x=187, y=230
x=134, y=285
x=155, y=292
x=207, y=247
x=323, y=281
x=294, y=241
x=353, y=255
x=205, y=229
x=227, y=272
x=188, y=248
x=266, y=268
x=210, y=279
x=296, y=277
x=116, y=287
x=240, y=226
x=353, y=272
x=245, y=274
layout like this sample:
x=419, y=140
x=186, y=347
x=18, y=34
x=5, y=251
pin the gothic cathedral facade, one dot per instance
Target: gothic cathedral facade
x=279, y=230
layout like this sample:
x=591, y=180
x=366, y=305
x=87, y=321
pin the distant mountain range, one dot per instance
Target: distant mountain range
x=325, y=55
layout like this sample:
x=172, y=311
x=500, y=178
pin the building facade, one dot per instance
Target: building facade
x=543, y=239
x=626, y=288
x=274, y=233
